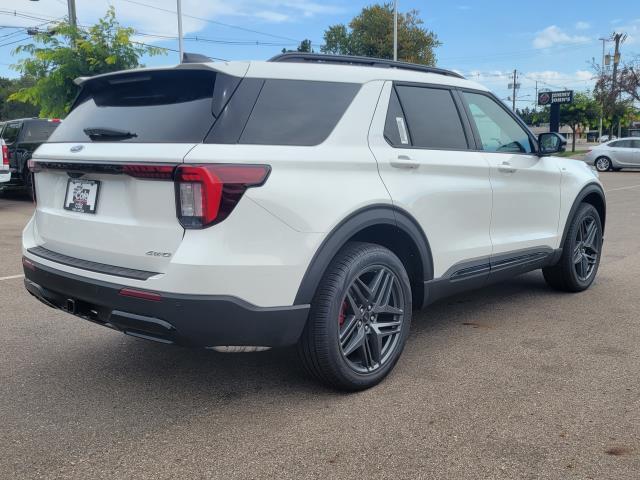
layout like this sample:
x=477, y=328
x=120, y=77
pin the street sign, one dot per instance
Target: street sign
x=511, y=86
x=551, y=98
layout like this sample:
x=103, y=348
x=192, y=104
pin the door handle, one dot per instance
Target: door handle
x=506, y=167
x=404, y=161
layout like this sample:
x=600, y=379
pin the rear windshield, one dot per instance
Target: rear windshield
x=154, y=107
x=37, y=131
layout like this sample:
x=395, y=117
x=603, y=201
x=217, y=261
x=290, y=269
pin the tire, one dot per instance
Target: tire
x=581, y=252
x=603, y=164
x=28, y=182
x=379, y=332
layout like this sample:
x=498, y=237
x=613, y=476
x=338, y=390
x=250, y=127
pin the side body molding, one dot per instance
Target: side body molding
x=374, y=215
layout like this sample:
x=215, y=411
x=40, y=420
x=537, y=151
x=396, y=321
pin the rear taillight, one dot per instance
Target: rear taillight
x=5, y=155
x=152, y=172
x=207, y=194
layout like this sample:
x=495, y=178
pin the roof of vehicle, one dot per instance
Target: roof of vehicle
x=621, y=138
x=31, y=119
x=316, y=70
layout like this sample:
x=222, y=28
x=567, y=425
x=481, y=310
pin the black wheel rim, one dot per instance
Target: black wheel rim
x=587, y=248
x=371, y=319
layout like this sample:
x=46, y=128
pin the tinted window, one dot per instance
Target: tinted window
x=10, y=132
x=432, y=118
x=499, y=131
x=621, y=144
x=37, y=131
x=297, y=112
x=162, y=106
x=635, y=143
x=395, y=129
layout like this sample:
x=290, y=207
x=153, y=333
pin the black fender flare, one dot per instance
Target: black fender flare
x=586, y=191
x=356, y=222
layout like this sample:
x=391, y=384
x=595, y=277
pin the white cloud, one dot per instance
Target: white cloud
x=157, y=20
x=271, y=16
x=554, y=35
x=583, y=25
x=632, y=29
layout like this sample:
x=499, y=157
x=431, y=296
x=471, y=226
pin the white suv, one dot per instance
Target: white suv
x=310, y=200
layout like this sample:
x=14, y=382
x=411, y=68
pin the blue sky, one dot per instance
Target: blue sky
x=551, y=42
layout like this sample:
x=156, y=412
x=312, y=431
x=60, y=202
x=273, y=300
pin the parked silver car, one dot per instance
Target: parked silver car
x=616, y=154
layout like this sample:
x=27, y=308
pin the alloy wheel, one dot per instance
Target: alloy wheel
x=587, y=248
x=371, y=319
x=603, y=164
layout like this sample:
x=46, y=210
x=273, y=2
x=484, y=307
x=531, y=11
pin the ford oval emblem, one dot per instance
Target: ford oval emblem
x=76, y=148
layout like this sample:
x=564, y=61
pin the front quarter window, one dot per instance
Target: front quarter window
x=499, y=131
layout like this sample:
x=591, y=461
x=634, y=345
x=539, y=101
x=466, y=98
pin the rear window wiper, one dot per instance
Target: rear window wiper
x=99, y=133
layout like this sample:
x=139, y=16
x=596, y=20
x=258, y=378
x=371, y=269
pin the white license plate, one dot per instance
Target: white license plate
x=82, y=195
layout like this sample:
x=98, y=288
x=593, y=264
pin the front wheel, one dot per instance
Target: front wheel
x=603, y=164
x=359, y=319
x=581, y=253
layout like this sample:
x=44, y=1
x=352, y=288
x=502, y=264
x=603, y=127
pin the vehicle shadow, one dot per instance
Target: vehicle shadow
x=15, y=194
x=126, y=363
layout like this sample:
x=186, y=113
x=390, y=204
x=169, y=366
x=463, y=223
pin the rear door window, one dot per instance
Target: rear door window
x=173, y=106
x=37, y=131
x=395, y=127
x=297, y=112
x=432, y=118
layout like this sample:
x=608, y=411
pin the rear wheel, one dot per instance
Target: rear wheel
x=581, y=252
x=28, y=181
x=359, y=319
x=603, y=164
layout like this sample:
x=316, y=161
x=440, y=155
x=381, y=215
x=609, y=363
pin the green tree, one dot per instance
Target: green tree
x=534, y=117
x=14, y=109
x=371, y=34
x=305, y=46
x=56, y=59
x=583, y=112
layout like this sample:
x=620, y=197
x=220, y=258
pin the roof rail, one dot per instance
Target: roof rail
x=301, y=57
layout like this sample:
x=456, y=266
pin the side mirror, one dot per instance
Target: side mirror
x=550, y=143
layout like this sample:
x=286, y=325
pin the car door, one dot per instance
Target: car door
x=526, y=187
x=635, y=152
x=422, y=145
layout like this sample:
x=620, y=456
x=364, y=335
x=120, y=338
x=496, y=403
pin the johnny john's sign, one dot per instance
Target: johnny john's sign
x=551, y=98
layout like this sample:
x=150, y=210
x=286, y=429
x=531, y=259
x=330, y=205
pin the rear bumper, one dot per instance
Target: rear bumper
x=190, y=320
x=5, y=176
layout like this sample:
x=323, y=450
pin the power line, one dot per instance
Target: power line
x=15, y=41
x=228, y=25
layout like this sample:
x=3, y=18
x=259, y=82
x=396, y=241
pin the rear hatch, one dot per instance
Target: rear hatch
x=101, y=181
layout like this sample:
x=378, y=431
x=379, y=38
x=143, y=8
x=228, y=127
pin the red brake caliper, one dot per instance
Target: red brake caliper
x=343, y=313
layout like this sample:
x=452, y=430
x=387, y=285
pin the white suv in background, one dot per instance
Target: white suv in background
x=311, y=200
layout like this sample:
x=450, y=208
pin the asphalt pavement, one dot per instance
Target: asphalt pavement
x=516, y=381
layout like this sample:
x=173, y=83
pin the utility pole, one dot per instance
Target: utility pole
x=180, y=44
x=395, y=29
x=513, y=98
x=73, y=20
x=617, y=37
x=535, y=102
x=602, y=73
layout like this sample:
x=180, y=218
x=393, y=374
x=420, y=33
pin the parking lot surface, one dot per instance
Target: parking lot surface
x=514, y=381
